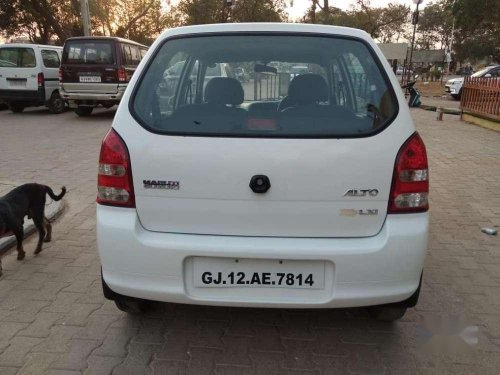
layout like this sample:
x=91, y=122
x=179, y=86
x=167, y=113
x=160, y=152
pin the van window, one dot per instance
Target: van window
x=136, y=56
x=50, y=58
x=131, y=55
x=17, y=57
x=296, y=86
x=89, y=52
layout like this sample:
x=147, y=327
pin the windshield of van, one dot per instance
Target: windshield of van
x=294, y=86
x=89, y=52
x=17, y=57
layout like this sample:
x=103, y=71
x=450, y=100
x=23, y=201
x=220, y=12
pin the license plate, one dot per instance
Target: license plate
x=262, y=273
x=92, y=79
x=17, y=83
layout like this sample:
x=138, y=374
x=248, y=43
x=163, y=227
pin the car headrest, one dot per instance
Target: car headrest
x=223, y=90
x=308, y=88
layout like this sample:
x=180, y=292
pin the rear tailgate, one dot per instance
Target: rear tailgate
x=18, y=69
x=319, y=187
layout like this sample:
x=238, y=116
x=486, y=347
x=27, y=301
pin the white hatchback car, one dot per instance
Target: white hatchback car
x=309, y=192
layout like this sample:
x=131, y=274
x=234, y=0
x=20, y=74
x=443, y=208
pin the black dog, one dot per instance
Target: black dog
x=28, y=199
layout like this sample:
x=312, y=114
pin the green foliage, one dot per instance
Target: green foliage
x=435, y=25
x=478, y=25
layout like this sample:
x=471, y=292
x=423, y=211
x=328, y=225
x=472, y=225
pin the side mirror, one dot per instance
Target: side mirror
x=487, y=75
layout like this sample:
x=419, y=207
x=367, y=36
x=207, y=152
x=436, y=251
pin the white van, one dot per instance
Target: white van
x=29, y=76
x=313, y=199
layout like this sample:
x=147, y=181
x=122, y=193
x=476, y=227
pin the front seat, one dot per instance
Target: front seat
x=305, y=90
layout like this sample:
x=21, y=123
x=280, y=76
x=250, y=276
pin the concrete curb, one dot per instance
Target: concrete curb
x=449, y=111
x=52, y=212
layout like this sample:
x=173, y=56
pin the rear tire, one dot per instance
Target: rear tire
x=132, y=305
x=84, y=111
x=16, y=107
x=386, y=313
x=126, y=304
x=56, y=103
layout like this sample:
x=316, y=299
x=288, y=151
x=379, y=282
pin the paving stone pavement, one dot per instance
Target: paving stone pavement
x=54, y=319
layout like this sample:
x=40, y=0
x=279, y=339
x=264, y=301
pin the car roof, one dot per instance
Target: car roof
x=29, y=45
x=266, y=27
x=114, y=38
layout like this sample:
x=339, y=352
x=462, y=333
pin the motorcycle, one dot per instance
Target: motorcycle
x=414, y=100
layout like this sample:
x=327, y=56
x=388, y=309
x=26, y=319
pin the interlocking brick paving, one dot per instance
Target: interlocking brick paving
x=54, y=319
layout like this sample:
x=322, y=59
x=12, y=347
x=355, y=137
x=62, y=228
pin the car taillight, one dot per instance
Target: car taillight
x=114, y=180
x=60, y=75
x=121, y=74
x=41, y=80
x=410, y=181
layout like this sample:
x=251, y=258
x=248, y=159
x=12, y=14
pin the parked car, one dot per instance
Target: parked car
x=96, y=71
x=454, y=86
x=28, y=76
x=316, y=200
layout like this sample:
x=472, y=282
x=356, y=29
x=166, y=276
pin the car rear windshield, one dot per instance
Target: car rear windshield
x=295, y=86
x=17, y=57
x=89, y=52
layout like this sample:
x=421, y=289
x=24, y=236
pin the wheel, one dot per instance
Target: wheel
x=84, y=111
x=126, y=304
x=56, y=103
x=387, y=313
x=16, y=107
x=131, y=305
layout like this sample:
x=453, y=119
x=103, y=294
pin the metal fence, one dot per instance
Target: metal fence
x=481, y=96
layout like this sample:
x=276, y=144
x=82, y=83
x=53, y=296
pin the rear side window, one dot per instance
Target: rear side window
x=293, y=86
x=131, y=54
x=50, y=58
x=17, y=57
x=89, y=52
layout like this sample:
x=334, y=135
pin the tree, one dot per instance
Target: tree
x=195, y=12
x=478, y=29
x=140, y=20
x=45, y=20
x=386, y=23
x=40, y=20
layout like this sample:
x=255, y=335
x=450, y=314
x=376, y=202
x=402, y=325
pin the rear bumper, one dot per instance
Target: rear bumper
x=97, y=96
x=29, y=96
x=381, y=269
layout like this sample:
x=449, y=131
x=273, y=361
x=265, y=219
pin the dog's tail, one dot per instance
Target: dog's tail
x=56, y=197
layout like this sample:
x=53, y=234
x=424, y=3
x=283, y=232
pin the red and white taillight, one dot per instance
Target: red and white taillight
x=121, y=74
x=41, y=80
x=60, y=74
x=410, y=181
x=114, y=180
